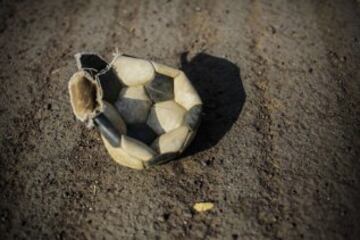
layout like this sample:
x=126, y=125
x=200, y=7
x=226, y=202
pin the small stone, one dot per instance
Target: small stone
x=273, y=29
x=187, y=214
x=203, y=206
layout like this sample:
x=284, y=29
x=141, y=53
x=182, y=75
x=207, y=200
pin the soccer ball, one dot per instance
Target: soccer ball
x=147, y=113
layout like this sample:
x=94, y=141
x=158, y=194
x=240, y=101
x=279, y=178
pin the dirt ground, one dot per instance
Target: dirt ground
x=279, y=145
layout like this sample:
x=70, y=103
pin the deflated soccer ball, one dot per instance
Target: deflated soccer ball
x=147, y=113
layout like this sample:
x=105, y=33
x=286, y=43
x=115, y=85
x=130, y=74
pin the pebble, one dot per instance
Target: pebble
x=203, y=206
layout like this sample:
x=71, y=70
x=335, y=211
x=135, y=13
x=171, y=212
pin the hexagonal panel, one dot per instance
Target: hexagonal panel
x=185, y=93
x=166, y=70
x=136, y=148
x=166, y=116
x=141, y=132
x=90, y=62
x=122, y=157
x=133, y=104
x=172, y=141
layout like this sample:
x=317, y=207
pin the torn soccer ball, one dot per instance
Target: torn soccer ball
x=147, y=113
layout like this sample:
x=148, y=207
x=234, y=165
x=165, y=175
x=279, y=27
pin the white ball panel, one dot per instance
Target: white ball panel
x=166, y=70
x=166, y=116
x=133, y=71
x=121, y=157
x=136, y=148
x=185, y=93
x=172, y=141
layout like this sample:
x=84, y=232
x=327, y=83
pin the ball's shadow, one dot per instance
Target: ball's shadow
x=219, y=85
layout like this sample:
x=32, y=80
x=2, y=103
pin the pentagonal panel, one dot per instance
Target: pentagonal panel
x=110, y=85
x=162, y=158
x=133, y=104
x=114, y=117
x=133, y=71
x=192, y=117
x=166, y=116
x=90, y=62
x=141, y=132
x=161, y=88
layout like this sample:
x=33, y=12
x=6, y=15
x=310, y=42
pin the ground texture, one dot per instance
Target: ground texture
x=279, y=145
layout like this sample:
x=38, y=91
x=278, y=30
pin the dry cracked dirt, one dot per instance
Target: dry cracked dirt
x=279, y=145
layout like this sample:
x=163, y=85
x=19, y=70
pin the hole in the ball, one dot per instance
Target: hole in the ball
x=83, y=94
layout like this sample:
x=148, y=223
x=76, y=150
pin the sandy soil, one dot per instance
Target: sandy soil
x=277, y=152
